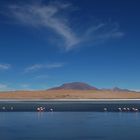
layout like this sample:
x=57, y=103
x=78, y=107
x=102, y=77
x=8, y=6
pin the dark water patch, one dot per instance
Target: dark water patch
x=77, y=106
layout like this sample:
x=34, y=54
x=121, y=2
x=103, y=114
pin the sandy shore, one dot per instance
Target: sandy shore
x=68, y=94
x=68, y=100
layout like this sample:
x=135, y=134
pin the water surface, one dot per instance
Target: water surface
x=69, y=126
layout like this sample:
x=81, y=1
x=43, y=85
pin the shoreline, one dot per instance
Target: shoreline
x=69, y=100
x=70, y=105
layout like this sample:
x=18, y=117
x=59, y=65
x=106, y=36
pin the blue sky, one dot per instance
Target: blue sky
x=44, y=43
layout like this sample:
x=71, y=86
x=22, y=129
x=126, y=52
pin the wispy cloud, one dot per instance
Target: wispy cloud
x=54, y=65
x=34, y=67
x=49, y=16
x=102, y=32
x=5, y=66
x=37, y=67
x=5, y=87
x=25, y=85
x=42, y=77
x=46, y=16
x=136, y=90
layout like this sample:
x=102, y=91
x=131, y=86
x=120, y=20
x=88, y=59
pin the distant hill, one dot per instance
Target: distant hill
x=120, y=89
x=75, y=86
x=117, y=89
x=85, y=86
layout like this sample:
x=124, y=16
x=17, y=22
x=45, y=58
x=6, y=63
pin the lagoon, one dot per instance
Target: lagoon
x=71, y=105
x=69, y=125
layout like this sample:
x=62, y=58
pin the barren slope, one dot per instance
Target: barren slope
x=69, y=94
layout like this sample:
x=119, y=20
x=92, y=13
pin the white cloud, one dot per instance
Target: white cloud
x=37, y=67
x=5, y=66
x=46, y=16
x=34, y=67
x=49, y=16
x=136, y=90
x=3, y=86
x=42, y=77
x=55, y=65
x=102, y=32
x=25, y=85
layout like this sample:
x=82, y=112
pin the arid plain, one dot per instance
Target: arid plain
x=70, y=94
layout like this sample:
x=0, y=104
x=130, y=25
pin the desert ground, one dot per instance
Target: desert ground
x=70, y=94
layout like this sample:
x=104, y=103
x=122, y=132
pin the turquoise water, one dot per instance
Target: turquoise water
x=69, y=126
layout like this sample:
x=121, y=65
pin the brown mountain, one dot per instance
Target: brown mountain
x=75, y=86
x=121, y=90
x=117, y=89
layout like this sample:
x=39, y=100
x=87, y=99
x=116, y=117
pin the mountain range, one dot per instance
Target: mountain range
x=83, y=86
x=75, y=86
x=74, y=90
